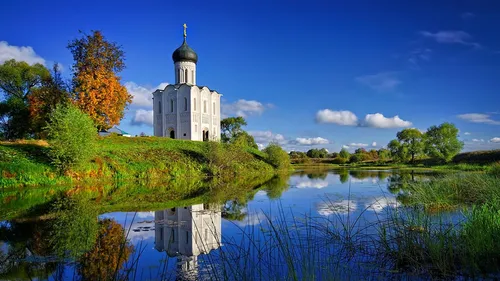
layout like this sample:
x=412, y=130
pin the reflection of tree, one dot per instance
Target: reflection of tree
x=276, y=186
x=74, y=228
x=400, y=181
x=25, y=239
x=233, y=210
x=108, y=255
x=343, y=176
x=318, y=175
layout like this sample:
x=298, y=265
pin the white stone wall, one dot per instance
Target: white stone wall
x=185, y=72
x=187, y=110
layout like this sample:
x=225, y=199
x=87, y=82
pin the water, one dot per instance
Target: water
x=310, y=225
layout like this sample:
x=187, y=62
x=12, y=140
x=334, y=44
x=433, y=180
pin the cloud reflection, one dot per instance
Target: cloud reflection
x=339, y=207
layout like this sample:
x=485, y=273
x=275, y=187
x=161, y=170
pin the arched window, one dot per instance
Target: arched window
x=204, y=106
x=195, y=128
x=213, y=108
x=159, y=107
x=171, y=105
x=192, y=75
x=194, y=104
x=185, y=104
x=186, y=74
x=178, y=75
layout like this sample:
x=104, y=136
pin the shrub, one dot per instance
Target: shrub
x=339, y=160
x=72, y=137
x=277, y=157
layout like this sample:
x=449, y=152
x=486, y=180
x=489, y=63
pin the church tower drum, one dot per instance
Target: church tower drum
x=184, y=110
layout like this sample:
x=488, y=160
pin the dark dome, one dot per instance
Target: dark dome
x=184, y=53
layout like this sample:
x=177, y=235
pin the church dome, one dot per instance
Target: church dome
x=184, y=53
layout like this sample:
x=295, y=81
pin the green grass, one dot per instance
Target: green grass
x=453, y=190
x=141, y=159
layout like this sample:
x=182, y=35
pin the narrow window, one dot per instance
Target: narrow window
x=204, y=106
x=194, y=104
x=192, y=75
x=159, y=107
x=187, y=237
x=186, y=74
x=178, y=75
x=213, y=108
x=206, y=234
x=195, y=128
x=185, y=104
x=171, y=105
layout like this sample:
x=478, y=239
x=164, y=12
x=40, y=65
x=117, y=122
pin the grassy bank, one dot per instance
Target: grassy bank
x=132, y=159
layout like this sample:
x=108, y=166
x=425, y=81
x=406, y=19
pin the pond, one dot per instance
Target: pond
x=317, y=225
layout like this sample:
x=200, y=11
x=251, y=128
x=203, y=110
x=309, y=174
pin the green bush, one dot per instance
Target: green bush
x=72, y=137
x=339, y=160
x=277, y=157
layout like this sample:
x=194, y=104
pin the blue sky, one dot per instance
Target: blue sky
x=303, y=73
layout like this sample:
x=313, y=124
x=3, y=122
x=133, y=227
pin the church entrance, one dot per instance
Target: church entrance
x=171, y=133
x=205, y=135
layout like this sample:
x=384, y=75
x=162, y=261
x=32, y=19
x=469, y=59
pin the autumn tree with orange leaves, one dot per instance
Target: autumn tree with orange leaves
x=96, y=85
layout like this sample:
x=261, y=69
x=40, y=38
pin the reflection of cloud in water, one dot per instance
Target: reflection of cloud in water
x=145, y=215
x=367, y=180
x=142, y=227
x=377, y=204
x=309, y=183
x=252, y=218
x=261, y=193
x=336, y=207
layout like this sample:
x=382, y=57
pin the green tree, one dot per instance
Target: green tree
x=384, y=154
x=313, y=153
x=277, y=157
x=44, y=99
x=245, y=139
x=231, y=128
x=344, y=154
x=17, y=81
x=72, y=137
x=413, y=140
x=442, y=141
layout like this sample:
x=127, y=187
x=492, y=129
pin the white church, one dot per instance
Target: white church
x=185, y=110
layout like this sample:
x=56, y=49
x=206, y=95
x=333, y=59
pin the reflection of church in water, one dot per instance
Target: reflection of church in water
x=187, y=232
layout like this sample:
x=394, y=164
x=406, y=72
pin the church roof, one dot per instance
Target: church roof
x=184, y=53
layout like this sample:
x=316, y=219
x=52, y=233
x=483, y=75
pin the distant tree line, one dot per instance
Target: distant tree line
x=438, y=142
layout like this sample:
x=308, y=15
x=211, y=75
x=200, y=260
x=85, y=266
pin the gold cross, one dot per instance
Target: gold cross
x=185, y=27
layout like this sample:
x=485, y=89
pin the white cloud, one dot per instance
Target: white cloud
x=142, y=117
x=382, y=82
x=353, y=144
x=27, y=54
x=478, y=118
x=378, y=120
x=495, y=140
x=311, y=141
x=467, y=133
x=451, y=37
x=344, y=117
x=419, y=55
x=345, y=146
x=142, y=96
x=260, y=146
x=478, y=140
x=374, y=144
x=265, y=137
x=244, y=108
